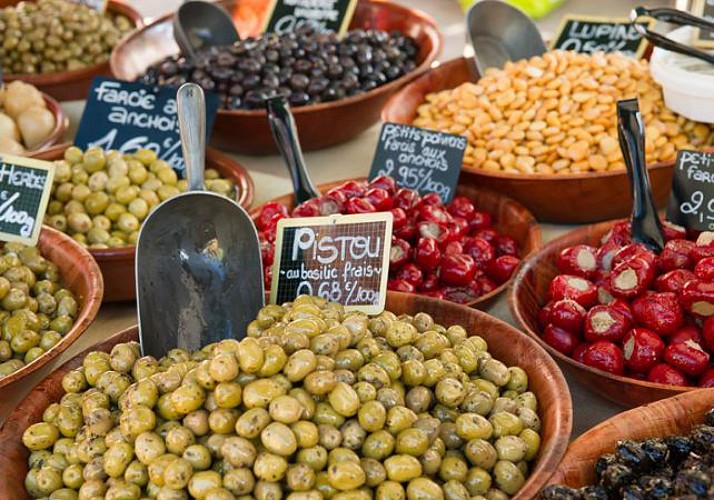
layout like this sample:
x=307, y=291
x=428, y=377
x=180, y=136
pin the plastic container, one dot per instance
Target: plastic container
x=534, y=8
x=687, y=82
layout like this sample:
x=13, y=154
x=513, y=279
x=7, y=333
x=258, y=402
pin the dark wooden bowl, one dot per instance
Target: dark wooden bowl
x=61, y=124
x=510, y=217
x=117, y=264
x=74, y=85
x=551, y=198
x=80, y=274
x=527, y=295
x=505, y=343
x=672, y=416
x=320, y=125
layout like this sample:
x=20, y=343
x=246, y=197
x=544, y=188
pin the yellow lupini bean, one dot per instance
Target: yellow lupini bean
x=555, y=114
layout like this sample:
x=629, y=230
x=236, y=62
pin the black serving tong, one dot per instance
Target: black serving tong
x=645, y=223
x=673, y=16
x=282, y=125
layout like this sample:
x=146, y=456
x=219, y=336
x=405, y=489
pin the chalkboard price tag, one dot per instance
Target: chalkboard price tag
x=323, y=15
x=592, y=34
x=99, y=5
x=705, y=9
x=128, y=116
x=420, y=159
x=341, y=258
x=25, y=186
x=691, y=202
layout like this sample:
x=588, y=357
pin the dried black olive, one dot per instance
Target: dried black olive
x=603, y=463
x=702, y=437
x=656, y=451
x=594, y=493
x=616, y=476
x=692, y=481
x=679, y=448
x=656, y=487
x=559, y=492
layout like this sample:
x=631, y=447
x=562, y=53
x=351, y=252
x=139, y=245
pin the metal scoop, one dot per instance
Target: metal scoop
x=199, y=24
x=645, y=223
x=500, y=33
x=285, y=134
x=199, y=276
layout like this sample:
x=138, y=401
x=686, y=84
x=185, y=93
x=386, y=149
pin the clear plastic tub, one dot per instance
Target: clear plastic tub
x=687, y=82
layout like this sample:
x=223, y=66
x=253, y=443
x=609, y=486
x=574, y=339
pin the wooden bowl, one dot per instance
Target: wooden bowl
x=505, y=343
x=117, y=264
x=80, y=274
x=510, y=218
x=527, y=295
x=320, y=125
x=57, y=134
x=562, y=199
x=74, y=85
x=672, y=416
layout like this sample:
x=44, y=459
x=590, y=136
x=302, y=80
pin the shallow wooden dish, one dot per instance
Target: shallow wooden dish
x=527, y=295
x=566, y=199
x=74, y=85
x=80, y=274
x=117, y=264
x=320, y=125
x=675, y=415
x=505, y=343
x=510, y=217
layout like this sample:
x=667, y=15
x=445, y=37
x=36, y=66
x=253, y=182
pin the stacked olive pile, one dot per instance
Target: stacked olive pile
x=305, y=66
x=315, y=402
x=100, y=198
x=35, y=310
x=48, y=36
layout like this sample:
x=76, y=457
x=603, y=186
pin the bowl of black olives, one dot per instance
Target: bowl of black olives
x=662, y=450
x=337, y=86
x=59, y=46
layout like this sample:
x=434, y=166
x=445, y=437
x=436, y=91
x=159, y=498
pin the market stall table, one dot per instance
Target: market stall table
x=341, y=162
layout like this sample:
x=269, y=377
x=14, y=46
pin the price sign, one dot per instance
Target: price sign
x=100, y=5
x=593, y=34
x=420, y=159
x=25, y=186
x=342, y=258
x=323, y=15
x=128, y=116
x=704, y=38
x=691, y=202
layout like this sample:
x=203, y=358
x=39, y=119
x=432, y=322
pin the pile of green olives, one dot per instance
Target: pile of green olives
x=315, y=403
x=100, y=198
x=35, y=310
x=48, y=36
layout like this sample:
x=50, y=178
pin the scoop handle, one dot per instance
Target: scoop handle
x=282, y=125
x=645, y=223
x=192, y=128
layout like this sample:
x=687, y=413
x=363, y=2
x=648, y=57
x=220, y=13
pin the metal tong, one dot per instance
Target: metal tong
x=673, y=16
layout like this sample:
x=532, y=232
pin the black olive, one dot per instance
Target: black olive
x=299, y=81
x=679, y=448
x=709, y=417
x=299, y=98
x=594, y=493
x=616, y=476
x=632, y=454
x=603, y=463
x=656, y=488
x=559, y=492
x=702, y=437
x=250, y=82
x=692, y=481
x=631, y=492
x=656, y=451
